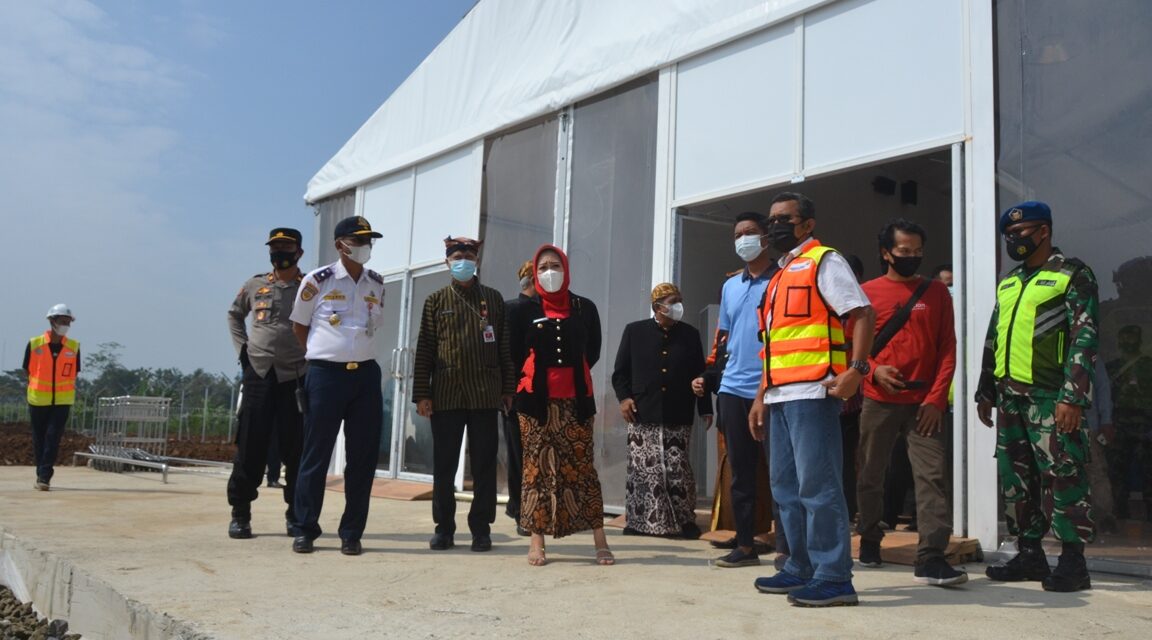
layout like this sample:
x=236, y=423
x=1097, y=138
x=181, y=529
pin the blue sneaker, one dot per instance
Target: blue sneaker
x=780, y=583
x=822, y=593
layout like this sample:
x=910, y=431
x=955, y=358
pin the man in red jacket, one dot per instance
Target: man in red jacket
x=907, y=394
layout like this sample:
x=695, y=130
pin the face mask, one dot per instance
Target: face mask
x=551, y=281
x=463, y=270
x=60, y=329
x=673, y=311
x=283, y=259
x=748, y=248
x=783, y=235
x=906, y=266
x=1020, y=248
x=950, y=292
x=360, y=254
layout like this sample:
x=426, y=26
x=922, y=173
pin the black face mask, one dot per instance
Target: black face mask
x=906, y=266
x=1020, y=248
x=783, y=236
x=283, y=259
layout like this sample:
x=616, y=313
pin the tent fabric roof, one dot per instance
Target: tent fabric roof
x=509, y=61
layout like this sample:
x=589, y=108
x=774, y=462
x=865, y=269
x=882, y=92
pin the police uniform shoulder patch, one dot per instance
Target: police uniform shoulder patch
x=308, y=292
x=376, y=276
x=323, y=274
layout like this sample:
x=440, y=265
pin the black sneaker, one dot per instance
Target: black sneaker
x=870, y=554
x=730, y=543
x=41, y=485
x=441, y=542
x=937, y=572
x=738, y=558
x=240, y=529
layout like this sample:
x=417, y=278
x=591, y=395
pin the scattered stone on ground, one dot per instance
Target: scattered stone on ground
x=19, y=622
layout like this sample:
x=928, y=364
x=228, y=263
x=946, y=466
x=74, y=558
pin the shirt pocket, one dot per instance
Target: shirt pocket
x=264, y=308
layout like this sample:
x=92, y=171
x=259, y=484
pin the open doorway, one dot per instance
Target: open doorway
x=851, y=208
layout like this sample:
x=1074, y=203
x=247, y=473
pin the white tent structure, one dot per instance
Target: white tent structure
x=630, y=132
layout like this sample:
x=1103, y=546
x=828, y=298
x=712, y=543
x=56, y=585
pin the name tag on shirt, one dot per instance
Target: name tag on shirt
x=489, y=334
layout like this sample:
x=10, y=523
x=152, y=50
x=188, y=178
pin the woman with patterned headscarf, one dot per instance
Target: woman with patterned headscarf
x=655, y=366
x=560, y=333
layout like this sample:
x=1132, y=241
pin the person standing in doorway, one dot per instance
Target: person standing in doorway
x=513, y=310
x=738, y=329
x=1130, y=435
x=52, y=362
x=272, y=363
x=913, y=359
x=655, y=365
x=335, y=316
x=1038, y=366
x=807, y=377
x=463, y=379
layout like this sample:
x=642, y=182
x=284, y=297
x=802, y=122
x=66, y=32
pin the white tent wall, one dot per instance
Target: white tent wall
x=509, y=61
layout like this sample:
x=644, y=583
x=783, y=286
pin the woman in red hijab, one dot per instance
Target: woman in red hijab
x=560, y=332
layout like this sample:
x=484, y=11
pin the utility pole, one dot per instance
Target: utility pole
x=204, y=419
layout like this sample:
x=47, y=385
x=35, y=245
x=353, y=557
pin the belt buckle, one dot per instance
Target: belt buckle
x=352, y=366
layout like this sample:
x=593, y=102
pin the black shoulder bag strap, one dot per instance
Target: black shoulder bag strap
x=896, y=322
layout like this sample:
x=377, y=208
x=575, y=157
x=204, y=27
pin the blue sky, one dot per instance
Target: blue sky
x=146, y=148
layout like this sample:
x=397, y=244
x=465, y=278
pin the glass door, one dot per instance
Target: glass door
x=389, y=341
x=415, y=432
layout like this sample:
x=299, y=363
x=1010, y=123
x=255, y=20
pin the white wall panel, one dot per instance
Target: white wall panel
x=388, y=208
x=736, y=113
x=447, y=202
x=881, y=75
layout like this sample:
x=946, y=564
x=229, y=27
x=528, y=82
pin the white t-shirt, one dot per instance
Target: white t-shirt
x=838, y=286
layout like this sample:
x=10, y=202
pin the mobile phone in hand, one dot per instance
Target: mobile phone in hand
x=913, y=385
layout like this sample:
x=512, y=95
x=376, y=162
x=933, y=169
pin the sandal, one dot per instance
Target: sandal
x=536, y=557
x=604, y=557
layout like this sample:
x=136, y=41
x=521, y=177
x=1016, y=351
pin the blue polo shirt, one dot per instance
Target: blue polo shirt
x=738, y=301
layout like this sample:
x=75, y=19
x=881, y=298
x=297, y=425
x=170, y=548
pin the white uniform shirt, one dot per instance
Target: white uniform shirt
x=342, y=314
x=838, y=285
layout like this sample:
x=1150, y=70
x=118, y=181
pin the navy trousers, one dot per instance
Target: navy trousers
x=47, y=428
x=335, y=395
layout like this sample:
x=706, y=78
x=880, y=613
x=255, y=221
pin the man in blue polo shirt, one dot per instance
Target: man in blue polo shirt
x=739, y=358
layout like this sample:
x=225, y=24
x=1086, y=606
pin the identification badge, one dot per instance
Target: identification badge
x=489, y=334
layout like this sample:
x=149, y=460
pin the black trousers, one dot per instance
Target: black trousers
x=483, y=442
x=515, y=463
x=267, y=410
x=355, y=398
x=744, y=454
x=47, y=428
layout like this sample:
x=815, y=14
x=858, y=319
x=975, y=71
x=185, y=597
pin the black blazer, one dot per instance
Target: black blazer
x=655, y=367
x=571, y=342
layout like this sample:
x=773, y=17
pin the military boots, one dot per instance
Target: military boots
x=1029, y=564
x=1071, y=573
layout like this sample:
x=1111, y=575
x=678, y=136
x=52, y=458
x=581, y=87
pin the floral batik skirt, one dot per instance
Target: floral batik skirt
x=661, y=490
x=561, y=491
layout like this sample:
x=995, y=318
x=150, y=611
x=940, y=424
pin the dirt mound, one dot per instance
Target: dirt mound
x=16, y=447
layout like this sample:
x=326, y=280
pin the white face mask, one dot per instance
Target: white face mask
x=748, y=248
x=61, y=329
x=673, y=311
x=360, y=254
x=551, y=280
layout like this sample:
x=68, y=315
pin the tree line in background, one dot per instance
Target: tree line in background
x=202, y=403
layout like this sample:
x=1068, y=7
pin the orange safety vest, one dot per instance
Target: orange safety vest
x=805, y=339
x=52, y=380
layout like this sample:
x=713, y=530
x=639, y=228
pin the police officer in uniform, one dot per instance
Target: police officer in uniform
x=336, y=314
x=273, y=363
x=1038, y=367
x=52, y=361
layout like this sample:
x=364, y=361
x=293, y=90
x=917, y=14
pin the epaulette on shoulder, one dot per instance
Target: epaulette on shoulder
x=375, y=276
x=323, y=274
x=260, y=276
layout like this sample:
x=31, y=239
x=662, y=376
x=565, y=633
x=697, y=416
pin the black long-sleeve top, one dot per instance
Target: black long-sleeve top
x=655, y=367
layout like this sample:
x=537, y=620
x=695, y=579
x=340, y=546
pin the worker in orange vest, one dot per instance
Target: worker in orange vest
x=52, y=362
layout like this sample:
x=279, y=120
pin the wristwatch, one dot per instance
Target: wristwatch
x=860, y=365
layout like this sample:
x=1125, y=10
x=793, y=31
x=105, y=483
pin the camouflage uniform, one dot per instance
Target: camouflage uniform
x=1042, y=475
x=1131, y=414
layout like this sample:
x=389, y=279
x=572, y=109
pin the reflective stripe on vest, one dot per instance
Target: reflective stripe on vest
x=52, y=380
x=805, y=338
x=1031, y=328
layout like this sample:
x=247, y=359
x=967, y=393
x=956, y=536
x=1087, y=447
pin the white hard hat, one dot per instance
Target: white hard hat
x=60, y=310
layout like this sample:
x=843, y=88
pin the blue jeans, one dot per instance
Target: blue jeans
x=806, y=469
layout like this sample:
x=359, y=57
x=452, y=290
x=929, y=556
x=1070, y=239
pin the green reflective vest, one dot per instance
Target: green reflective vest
x=1032, y=327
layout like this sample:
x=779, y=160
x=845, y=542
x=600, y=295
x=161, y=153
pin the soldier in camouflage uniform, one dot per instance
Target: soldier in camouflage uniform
x=1131, y=436
x=1038, y=366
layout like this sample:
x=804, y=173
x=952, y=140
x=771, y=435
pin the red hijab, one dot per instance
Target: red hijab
x=556, y=305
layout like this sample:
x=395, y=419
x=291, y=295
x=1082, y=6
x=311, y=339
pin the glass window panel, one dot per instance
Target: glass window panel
x=610, y=243
x=880, y=75
x=519, y=198
x=387, y=340
x=388, y=208
x=417, y=445
x=1075, y=130
x=736, y=113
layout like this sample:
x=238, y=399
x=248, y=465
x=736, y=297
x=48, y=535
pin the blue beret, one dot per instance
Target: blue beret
x=1031, y=211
